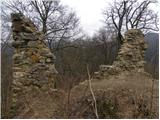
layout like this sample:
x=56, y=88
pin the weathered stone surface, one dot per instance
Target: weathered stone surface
x=27, y=36
x=18, y=44
x=33, y=65
x=22, y=24
x=18, y=74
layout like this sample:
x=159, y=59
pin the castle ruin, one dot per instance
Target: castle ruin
x=33, y=63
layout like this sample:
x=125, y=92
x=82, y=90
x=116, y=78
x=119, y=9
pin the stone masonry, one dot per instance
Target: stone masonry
x=130, y=57
x=33, y=63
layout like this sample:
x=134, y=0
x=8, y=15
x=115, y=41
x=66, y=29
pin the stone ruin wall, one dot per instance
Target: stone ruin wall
x=33, y=63
x=130, y=56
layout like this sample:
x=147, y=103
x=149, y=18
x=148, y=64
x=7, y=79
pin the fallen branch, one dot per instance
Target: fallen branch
x=93, y=96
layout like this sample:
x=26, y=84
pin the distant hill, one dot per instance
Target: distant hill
x=152, y=40
x=7, y=49
x=152, y=53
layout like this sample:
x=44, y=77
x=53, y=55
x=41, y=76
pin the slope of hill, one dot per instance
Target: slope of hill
x=153, y=46
x=152, y=54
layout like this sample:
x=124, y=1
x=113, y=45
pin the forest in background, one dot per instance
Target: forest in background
x=73, y=49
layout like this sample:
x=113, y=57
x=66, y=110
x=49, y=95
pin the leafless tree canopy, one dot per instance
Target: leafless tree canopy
x=56, y=21
x=127, y=14
x=105, y=39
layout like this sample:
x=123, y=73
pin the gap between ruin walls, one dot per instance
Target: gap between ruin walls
x=33, y=62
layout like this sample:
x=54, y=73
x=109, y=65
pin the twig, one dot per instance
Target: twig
x=90, y=87
x=68, y=102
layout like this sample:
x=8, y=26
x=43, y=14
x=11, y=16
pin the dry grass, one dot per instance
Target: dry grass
x=125, y=96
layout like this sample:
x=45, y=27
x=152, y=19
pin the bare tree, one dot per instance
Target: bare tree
x=127, y=14
x=56, y=21
x=106, y=41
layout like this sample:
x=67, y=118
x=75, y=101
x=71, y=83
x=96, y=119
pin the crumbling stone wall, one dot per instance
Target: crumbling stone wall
x=130, y=56
x=33, y=63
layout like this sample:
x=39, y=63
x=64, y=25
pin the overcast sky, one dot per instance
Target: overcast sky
x=89, y=12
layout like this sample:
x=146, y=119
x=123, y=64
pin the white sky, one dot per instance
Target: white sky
x=89, y=12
